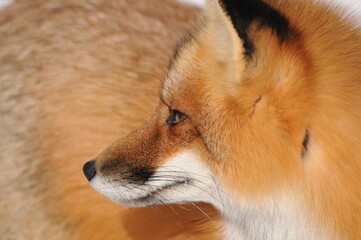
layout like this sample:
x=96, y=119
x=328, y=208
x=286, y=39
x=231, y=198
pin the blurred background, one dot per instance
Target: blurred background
x=74, y=77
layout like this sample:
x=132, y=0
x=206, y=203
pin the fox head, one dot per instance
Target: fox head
x=232, y=122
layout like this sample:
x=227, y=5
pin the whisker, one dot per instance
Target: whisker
x=202, y=211
x=193, y=185
x=181, y=206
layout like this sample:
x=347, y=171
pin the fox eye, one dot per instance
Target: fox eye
x=176, y=118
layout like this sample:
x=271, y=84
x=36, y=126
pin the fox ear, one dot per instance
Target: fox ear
x=230, y=27
x=226, y=45
x=238, y=15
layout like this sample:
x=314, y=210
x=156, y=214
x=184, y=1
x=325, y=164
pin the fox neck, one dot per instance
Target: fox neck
x=274, y=219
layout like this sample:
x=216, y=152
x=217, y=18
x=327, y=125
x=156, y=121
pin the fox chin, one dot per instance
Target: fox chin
x=259, y=115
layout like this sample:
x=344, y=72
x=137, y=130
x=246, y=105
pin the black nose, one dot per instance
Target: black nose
x=89, y=169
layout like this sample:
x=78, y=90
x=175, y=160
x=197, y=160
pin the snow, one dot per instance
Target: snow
x=198, y=3
x=5, y=3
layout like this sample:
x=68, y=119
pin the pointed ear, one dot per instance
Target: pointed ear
x=232, y=25
x=240, y=14
x=226, y=45
x=221, y=27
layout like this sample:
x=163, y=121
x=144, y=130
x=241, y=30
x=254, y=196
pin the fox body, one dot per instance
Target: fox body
x=259, y=115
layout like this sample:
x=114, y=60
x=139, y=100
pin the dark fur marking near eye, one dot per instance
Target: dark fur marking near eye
x=244, y=12
x=305, y=142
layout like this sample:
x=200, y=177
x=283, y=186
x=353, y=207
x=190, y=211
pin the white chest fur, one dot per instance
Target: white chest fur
x=273, y=220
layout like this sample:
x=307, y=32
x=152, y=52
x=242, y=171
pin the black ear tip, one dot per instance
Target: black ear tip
x=244, y=12
x=89, y=169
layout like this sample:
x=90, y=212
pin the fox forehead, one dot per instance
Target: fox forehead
x=192, y=80
x=182, y=69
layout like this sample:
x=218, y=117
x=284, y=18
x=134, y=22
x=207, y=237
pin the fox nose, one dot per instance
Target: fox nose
x=89, y=169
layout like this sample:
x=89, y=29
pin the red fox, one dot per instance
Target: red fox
x=260, y=116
